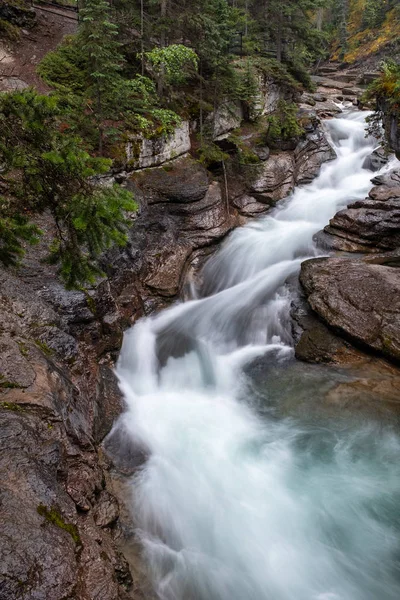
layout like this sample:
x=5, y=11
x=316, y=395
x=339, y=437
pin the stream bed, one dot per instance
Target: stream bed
x=254, y=488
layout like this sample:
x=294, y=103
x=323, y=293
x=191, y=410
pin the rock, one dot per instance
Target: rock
x=315, y=342
x=318, y=97
x=142, y=152
x=263, y=152
x=325, y=82
x=274, y=179
x=109, y=402
x=310, y=154
x=183, y=181
x=327, y=109
x=376, y=160
x=360, y=299
x=12, y=84
x=308, y=99
x=249, y=206
x=107, y=510
x=369, y=76
x=165, y=280
x=226, y=118
x=353, y=91
x=370, y=224
x=391, y=179
x=15, y=370
x=17, y=14
x=269, y=96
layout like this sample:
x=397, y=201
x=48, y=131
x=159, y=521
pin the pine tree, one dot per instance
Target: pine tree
x=47, y=169
x=98, y=40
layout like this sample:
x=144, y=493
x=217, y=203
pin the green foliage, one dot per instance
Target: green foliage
x=387, y=86
x=65, y=68
x=9, y=31
x=53, y=516
x=245, y=154
x=283, y=124
x=49, y=170
x=14, y=231
x=210, y=153
x=374, y=13
x=176, y=63
x=125, y=104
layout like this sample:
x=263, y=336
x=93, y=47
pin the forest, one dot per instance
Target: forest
x=140, y=67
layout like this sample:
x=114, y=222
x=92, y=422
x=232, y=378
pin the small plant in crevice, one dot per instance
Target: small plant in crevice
x=283, y=123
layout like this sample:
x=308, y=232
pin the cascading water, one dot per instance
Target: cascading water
x=236, y=503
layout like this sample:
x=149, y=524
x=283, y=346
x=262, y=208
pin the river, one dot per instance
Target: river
x=243, y=496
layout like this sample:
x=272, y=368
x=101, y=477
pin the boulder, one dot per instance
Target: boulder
x=369, y=225
x=359, y=299
x=315, y=342
x=274, y=178
x=377, y=159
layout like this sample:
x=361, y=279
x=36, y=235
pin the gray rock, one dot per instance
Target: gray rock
x=310, y=154
x=360, y=299
x=376, y=160
x=274, y=179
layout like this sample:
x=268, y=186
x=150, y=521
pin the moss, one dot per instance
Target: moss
x=9, y=31
x=12, y=406
x=245, y=154
x=44, y=347
x=90, y=303
x=54, y=517
x=5, y=384
x=23, y=348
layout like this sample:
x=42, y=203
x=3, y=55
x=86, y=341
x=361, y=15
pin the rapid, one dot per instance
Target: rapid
x=239, y=499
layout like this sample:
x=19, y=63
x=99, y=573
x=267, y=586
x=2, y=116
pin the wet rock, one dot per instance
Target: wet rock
x=275, y=178
x=315, y=342
x=249, y=206
x=376, y=160
x=360, y=299
x=165, y=279
x=109, y=402
x=310, y=154
x=391, y=179
x=39, y=559
x=369, y=225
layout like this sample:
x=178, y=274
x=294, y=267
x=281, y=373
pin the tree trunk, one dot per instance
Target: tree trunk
x=142, y=34
x=279, y=43
x=163, y=33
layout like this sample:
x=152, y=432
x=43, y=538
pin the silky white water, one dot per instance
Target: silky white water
x=233, y=504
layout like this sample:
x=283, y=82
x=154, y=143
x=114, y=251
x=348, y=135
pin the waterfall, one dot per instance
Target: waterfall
x=234, y=503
